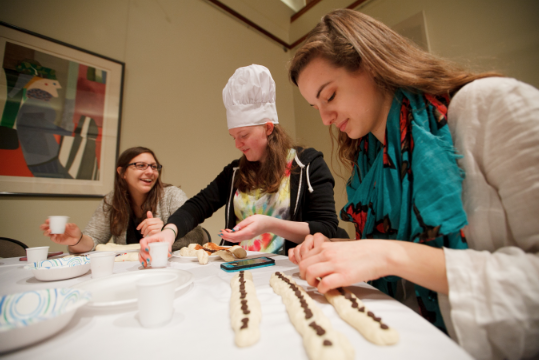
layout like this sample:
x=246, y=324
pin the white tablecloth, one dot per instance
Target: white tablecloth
x=200, y=328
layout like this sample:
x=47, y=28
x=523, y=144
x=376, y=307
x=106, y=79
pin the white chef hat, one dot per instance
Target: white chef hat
x=249, y=97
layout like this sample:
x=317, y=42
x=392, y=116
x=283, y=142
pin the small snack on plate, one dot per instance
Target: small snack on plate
x=116, y=247
x=245, y=311
x=225, y=255
x=202, y=256
x=320, y=340
x=352, y=310
x=238, y=251
x=130, y=256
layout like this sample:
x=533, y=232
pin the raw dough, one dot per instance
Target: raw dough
x=130, y=256
x=202, y=256
x=116, y=247
x=245, y=312
x=320, y=340
x=352, y=310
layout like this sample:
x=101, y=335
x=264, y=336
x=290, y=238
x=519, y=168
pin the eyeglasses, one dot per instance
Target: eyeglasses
x=144, y=166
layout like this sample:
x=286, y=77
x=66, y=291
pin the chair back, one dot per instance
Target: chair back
x=11, y=248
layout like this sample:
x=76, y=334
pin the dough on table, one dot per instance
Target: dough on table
x=320, y=340
x=117, y=247
x=245, y=311
x=130, y=256
x=352, y=310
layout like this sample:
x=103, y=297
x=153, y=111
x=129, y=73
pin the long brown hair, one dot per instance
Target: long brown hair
x=120, y=208
x=354, y=41
x=268, y=177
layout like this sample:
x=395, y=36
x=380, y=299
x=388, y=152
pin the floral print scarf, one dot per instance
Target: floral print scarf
x=409, y=188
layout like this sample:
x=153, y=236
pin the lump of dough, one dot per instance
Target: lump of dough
x=225, y=255
x=202, y=256
x=238, y=252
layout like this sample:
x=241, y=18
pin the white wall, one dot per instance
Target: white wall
x=179, y=56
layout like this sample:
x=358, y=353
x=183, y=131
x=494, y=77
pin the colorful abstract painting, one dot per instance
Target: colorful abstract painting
x=54, y=114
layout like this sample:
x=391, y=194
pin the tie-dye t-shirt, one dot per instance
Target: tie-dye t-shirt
x=276, y=205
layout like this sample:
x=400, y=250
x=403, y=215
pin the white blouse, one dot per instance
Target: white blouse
x=493, y=305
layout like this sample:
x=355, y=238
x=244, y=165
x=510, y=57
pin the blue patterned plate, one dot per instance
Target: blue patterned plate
x=31, y=316
x=60, y=269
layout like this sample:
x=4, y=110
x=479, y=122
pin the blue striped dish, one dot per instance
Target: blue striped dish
x=56, y=263
x=31, y=316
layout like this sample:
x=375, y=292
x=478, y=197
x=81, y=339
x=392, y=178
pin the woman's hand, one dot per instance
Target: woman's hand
x=71, y=235
x=311, y=241
x=150, y=225
x=249, y=228
x=344, y=263
x=164, y=236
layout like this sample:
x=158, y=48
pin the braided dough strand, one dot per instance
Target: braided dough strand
x=320, y=340
x=245, y=311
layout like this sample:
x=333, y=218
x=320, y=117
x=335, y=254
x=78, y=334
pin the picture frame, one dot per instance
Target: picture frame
x=60, y=117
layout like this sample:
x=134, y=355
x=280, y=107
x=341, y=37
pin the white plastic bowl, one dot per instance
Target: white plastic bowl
x=31, y=316
x=60, y=269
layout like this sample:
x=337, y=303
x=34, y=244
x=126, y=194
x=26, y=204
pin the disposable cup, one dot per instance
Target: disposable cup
x=102, y=263
x=57, y=224
x=159, y=254
x=155, y=299
x=37, y=254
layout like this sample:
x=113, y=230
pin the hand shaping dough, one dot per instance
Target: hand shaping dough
x=352, y=310
x=320, y=340
x=245, y=312
x=116, y=247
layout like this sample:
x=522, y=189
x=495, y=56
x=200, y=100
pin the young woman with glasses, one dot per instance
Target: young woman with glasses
x=138, y=207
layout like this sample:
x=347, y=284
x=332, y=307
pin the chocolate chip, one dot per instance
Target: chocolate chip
x=370, y=314
x=246, y=311
x=355, y=305
x=327, y=343
x=377, y=319
x=361, y=309
x=384, y=326
x=245, y=321
x=348, y=296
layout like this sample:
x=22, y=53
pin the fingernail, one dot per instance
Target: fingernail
x=142, y=263
x=148, y=261
x=220, y=235
x=146, y=249
x=233, y=230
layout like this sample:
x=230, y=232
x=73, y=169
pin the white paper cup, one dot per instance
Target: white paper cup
x=155, y=299
x=102, y=263
x=159, y=254
x=57, y=224
x=37, y=254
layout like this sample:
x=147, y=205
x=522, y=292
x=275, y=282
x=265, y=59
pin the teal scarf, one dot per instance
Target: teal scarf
x=409, y=188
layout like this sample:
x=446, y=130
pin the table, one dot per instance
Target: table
x=200, y=327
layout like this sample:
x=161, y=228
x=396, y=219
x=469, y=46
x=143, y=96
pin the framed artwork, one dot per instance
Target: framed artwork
x=60, y=110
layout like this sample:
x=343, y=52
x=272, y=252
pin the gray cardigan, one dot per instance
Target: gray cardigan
x=98, y=227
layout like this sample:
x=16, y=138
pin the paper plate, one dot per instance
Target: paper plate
x=60, y=269
x=121, y=289
x=31, y=316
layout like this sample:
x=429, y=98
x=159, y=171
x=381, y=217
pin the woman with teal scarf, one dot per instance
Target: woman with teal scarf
x=390, y=101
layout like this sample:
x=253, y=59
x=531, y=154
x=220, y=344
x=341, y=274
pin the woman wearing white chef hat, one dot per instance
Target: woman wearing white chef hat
x=275, y=194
